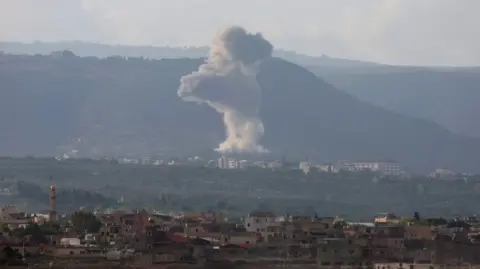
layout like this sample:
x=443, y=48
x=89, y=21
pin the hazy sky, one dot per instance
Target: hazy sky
x=388, y=31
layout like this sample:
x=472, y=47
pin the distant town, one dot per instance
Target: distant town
x=382, y=167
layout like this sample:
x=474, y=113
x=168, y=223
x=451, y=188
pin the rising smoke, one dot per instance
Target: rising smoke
x=227, y=82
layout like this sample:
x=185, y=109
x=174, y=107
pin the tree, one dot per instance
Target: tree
x=8, y=252
x=416, y=216
x=7, y=255
x=85, y=221
x=4, y=229
x=36, y=233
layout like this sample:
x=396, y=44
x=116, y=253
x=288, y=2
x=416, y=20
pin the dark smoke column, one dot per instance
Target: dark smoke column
x=227, y=82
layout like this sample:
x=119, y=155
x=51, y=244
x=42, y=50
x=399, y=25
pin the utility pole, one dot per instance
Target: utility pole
x=286, y=259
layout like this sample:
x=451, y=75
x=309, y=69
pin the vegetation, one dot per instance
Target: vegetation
x=410, y=91
x=85, y=222
x=119, y=106
x=164, y=188
x=10, y=256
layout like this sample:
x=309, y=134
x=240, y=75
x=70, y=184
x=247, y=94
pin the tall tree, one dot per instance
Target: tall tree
x=85, y=222
x=416, y=215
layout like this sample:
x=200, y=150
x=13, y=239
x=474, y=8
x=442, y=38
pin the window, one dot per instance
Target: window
x=248, y=224
x=247, y=242
x=71, y=252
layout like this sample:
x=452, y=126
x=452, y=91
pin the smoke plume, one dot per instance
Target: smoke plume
x=227, y=82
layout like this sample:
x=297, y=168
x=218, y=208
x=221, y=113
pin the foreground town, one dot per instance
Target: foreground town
x=141, y=239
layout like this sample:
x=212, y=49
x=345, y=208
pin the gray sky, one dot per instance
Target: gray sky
x=421, y=32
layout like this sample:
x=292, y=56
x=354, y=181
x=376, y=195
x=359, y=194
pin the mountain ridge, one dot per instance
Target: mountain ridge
x=86, y=49
x=448, y=97
x=116, y=106
x=408, y=90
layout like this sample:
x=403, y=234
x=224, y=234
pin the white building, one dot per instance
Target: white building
x=275, y=165
x=222, y=162
x=259, y=221
x=388, y=168
x=232, y=163
x=243, y=164
x=441, y=173
x=228, y=163
x=326, y=168
x=305, y=167
x=260, y=164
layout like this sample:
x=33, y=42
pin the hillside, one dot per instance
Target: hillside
x=447, y=96
x=55, y=104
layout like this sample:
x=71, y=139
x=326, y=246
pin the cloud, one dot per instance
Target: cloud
x=390, y=31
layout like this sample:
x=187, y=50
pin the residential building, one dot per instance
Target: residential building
x=243, y=164
x=12, y=217
x=214, y=217
x=339, y=251
x=275, y=165
x=441, y=173
x=246, y=238
x=305, y=167
x=230, y=163
x=125, y=227
x=418, y=232
x=387, y=218
x=222, y=162
x=387, y=168
x=259, y=221
x=330, y=168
